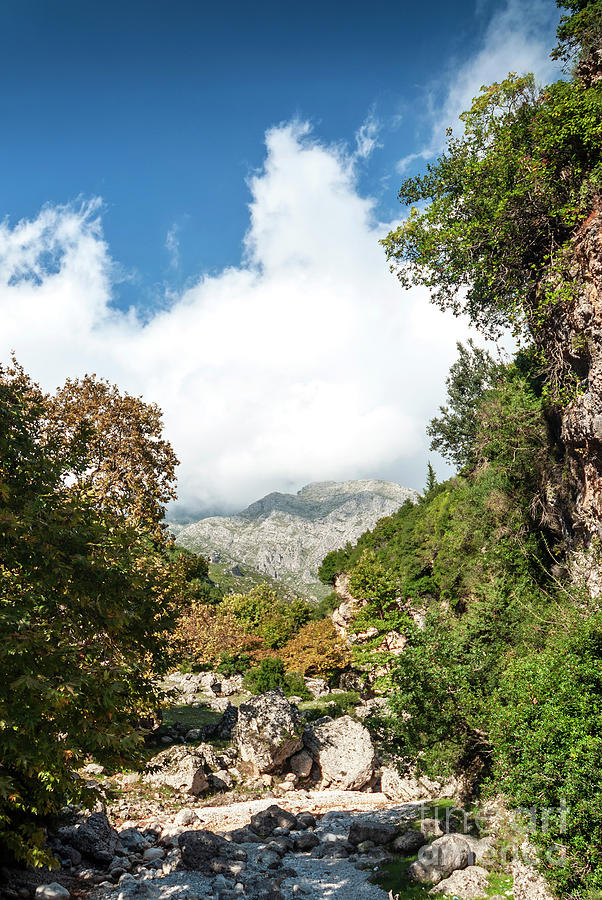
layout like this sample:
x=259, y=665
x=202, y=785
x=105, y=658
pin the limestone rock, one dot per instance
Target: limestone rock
x=52, y=891
x=183, y=768
x=409, y=843
x=408, y=788
x=377, y=832
x=466, y=884
x=528, y=883
x=264, y=822
x=267, y=733
x=343, y=749
x=438, y=860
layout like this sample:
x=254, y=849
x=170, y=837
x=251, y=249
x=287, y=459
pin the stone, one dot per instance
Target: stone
x=407, y=844
x=133, y=840
x=528, y=883
x=438, y=860
x=305, y=841
x=466, y=884
x=344, y=752
x=153, y=853
x=180, y=767
x=317, y=687
x=306, y=820
x=408, y=788
x=376, y=832
x=95, y=838
x=301, y=764
x=201, y=850
x=264, y=822
x=269, y=858
x=52, y=891
x=186, y=817
x=267, y=733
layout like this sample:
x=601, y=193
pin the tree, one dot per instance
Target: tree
x=431, y=479
x=453, y=432
x=129, y=463
x=85, y=604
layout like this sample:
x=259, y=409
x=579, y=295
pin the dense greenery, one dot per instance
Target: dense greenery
x=86, y=596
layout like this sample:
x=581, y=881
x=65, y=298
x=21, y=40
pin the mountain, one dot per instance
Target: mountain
x=286, y=536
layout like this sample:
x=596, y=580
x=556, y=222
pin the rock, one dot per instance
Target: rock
x=528, y=883
x=182, y=768
x=267, y=733
x=301, y=764
x=153, y=853
x=52, y=891
x=343, y=749
x=409, y=842
x=186, y=817
x=317, y=687
x=408, y=788
x=132, y=889
x=431, y=828
x=466, y=884
x=306, y=820
x=438, y=860
x=376, y=832
x=231, y=686
x=269, y=858
x=305, y=841
x=264, y=822
x=201, y=850
x=95, y=838
x=133, y=840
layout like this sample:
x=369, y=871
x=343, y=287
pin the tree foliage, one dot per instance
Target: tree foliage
x=86, y=598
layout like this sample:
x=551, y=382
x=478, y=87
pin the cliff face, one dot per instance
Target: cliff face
x=286, y=536
x=571, y=340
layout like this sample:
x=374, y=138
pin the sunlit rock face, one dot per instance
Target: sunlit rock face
x=286, y=536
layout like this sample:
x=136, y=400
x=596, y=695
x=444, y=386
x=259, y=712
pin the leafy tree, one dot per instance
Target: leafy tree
x=263, y=613
x=317, y=649
x=267, y=676
x=502, y=202
x=129, y=463
x=333, y=564
x=86, y=599
x=453, y=432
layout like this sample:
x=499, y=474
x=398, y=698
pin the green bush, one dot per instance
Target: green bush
x=546, y=729
x=267, y=676
x=294, y=686
x=234, y=664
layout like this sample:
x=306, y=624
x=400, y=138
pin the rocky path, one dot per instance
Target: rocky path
x=309, y=855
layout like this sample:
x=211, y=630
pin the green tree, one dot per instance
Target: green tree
x=86, y=599
x=431, y=479
x=453, y=433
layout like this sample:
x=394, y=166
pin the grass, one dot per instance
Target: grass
x=191, y=716
x=332, y=705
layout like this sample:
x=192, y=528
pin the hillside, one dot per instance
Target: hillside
x=286, y=536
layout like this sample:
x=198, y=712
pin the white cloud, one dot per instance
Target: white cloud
x=172, y=245
x=518, y=39
x=366, y=137
x=305, y=362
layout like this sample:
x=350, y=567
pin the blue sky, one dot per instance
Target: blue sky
x=135, y=180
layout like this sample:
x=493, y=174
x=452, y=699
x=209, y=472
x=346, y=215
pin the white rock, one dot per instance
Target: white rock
x=267, y=733
x=343, y=749
x=153, y=853
x=466, y=884
x=52, y=891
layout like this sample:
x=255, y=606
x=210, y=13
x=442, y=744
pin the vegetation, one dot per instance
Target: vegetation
x=88, y=591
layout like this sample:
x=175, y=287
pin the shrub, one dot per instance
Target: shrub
x=316, y=650
x=234, y=664
x=267, y=676
x=204, y=634
x=263, y=613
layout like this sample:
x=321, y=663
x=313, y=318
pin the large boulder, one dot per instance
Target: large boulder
x=344, y=752
x=438, y=860
x=95, y=838
x=377, y=832
x=469, y=884
x=183, y=768
x=267, y=733
x=210, y=853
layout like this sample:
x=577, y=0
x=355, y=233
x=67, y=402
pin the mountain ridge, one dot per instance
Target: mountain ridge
x=286, y=536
